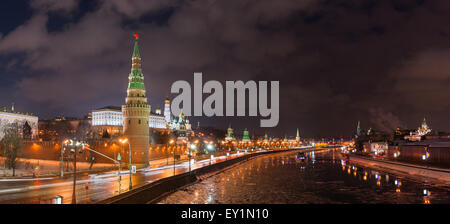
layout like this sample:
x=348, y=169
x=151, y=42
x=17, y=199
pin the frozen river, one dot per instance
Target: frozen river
x=323, y=178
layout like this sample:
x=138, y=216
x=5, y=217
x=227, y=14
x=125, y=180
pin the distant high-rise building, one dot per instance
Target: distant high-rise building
x=136, y=111
x=297, y=137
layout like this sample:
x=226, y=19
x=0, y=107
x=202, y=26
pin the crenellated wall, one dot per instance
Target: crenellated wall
x=51, y=151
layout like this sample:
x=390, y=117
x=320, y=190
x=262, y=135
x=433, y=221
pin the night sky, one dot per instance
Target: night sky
x=385, y=63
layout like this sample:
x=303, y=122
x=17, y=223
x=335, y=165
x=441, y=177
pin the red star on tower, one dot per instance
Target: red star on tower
x=136, y=36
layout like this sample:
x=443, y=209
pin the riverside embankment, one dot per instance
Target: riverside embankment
x=154, y=191
x=439, y=174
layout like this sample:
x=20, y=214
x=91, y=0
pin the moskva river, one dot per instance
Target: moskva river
x=323, y=177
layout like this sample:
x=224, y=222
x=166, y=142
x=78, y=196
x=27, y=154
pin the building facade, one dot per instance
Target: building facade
x=107, y=116
x=424, y=129
x=112, y=116
x=20, y=118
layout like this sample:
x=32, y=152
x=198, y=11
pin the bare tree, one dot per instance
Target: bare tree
x=26, y=131
x=12, y=143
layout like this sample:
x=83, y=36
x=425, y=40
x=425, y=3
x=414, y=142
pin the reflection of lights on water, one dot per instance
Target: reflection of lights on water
x=210, y=198
x=398, y=190
x=426, y=201
x=378, y=183
x=365, y=177
x=398, y=183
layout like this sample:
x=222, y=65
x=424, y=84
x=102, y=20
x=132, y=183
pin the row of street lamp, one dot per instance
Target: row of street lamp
x=75, y=145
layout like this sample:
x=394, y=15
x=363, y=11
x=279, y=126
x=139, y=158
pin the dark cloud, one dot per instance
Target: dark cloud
x=335, y=60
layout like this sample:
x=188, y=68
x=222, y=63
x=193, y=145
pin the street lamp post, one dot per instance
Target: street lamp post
x=75, y=148
x=123, y=141
x=191, y=146
x=189, y=159
x=167, y=152
x=74, y=199
x=170, y=143
x=62, y=154
x=174, y=162
x=120, y=176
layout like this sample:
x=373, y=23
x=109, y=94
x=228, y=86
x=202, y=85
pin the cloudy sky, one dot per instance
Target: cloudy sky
x=385, y=63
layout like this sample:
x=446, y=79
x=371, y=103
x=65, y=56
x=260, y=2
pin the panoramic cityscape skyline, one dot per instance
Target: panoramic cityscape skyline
x=385, y=61
x=246, y=103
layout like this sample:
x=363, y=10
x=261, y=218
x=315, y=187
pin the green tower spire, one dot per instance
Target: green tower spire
x=358, y=130
x=245, y=136
x=136, y=78
x=136, y=49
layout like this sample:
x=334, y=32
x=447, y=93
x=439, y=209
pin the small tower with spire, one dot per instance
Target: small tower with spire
x=230, y=135
x=245, y=137
x=358, y=130
x=297, y=137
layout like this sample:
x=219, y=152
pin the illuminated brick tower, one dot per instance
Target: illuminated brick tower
x=136, y=112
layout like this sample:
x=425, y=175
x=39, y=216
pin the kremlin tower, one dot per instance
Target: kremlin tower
x=229, y=136
x=245, y=137
x=136, y=112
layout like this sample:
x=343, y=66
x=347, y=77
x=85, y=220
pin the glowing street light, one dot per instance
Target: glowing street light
x=191, y=147
x=123, y=141
x=171, y=142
